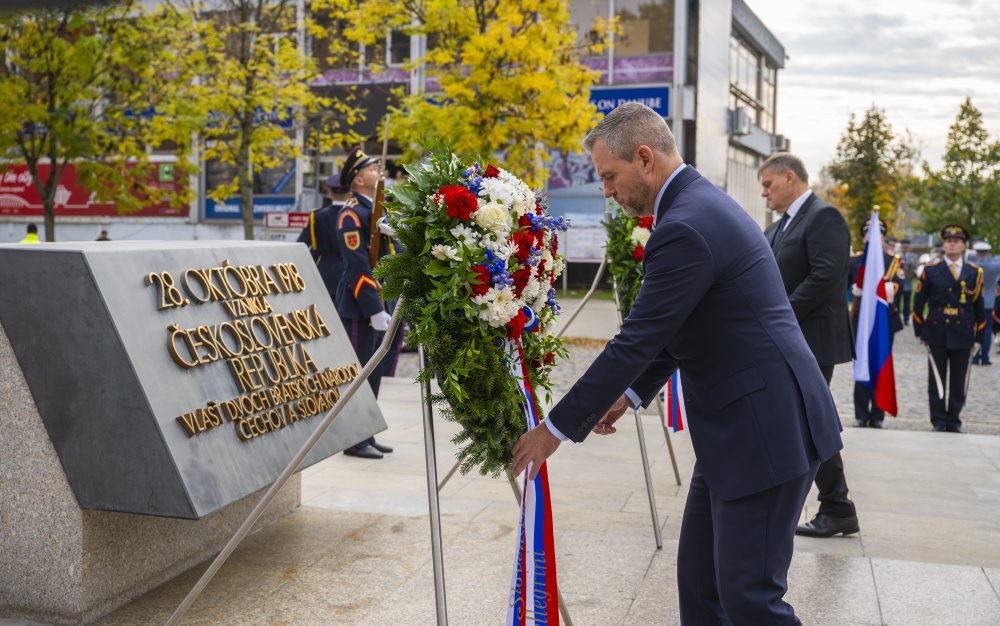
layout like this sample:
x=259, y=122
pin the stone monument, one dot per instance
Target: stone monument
x=148, y=391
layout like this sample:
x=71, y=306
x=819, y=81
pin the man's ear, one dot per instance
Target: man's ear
x=645, y=155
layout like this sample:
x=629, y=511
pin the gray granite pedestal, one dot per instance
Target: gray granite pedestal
x=61, y=563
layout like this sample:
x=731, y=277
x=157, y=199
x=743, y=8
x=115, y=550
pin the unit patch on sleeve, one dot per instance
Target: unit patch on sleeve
x=352, y=240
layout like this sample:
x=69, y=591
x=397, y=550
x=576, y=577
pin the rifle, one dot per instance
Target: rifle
x=378, y=206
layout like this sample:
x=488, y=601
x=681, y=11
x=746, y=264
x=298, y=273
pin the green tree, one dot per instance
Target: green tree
x=95, y=87
x=873, y=167
x=966, y=189
x=256, y=91
x=508, y=76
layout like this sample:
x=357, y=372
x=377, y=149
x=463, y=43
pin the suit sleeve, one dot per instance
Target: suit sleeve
x=649, y=383
x=828, y=245
x=352, y=237
x=679, y=271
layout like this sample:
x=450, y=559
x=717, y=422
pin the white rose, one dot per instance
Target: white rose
x=443, y=252
x=494, y=217
x=640, y=236
x=497, y=189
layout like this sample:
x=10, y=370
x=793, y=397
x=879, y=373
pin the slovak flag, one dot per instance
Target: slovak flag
x=673, y=397
x=873, y=365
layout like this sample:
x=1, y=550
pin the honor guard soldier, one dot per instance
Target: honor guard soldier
x=951, y=289
x=359, y=301
x=866, y=412
x=321, y=236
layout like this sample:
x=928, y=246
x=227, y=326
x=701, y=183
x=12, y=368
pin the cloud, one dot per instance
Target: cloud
x=917, y=59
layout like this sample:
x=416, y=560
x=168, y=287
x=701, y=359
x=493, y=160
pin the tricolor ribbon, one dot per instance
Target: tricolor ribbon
x=534, y=597
x=673, y=397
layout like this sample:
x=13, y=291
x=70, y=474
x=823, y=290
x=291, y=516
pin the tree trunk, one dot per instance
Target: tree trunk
x=245, y=181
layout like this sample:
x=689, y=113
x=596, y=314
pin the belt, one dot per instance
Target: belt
x=950, y=310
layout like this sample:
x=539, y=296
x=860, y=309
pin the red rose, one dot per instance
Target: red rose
x=638, y=252
x=538, y=208
x=459, y=200
x=524, y=220
x=483, y=276
x=541, y=269
x=521, y=278
x=491, y=172
x=550, y=358
x=646, y=222
x=516, y=326
x=555, y=244
x=524, y=241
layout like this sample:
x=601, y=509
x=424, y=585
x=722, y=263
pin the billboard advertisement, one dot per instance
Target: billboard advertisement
x=19, y=195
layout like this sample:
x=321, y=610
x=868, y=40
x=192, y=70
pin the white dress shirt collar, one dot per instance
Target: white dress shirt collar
x=796, y=205
x=957, y=262
x=663, y=189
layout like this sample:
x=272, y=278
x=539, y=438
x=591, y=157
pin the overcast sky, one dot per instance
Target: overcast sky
x=916, y=59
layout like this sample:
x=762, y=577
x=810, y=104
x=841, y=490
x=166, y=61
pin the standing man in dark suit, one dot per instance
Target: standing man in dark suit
x=812, y=246
x=359, y=299
x=761, y=416
x=952, y=291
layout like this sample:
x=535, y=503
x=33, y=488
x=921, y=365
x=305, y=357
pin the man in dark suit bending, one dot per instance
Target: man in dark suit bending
x=761, y=416
x=812, y=245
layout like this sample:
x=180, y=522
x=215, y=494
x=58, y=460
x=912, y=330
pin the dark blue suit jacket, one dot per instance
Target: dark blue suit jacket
x=712, y=302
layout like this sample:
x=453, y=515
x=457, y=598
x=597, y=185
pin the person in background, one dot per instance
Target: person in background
x=866, y=413
x=812, y=246
x=31, y=236
x=103, y=236
x=951, y=290
x=359, y=298
x=321, y=236
x=991, y=271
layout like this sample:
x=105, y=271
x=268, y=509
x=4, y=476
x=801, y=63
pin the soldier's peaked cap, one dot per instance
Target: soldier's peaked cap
x=356, y=161
x=955, y=231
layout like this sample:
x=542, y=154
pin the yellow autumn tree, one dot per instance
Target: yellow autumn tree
x=95, y=87
x=255, y=90
x=501, y=76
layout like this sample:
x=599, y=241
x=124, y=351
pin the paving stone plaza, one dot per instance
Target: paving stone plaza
x=358, y=549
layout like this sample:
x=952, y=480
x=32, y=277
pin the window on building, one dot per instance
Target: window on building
x=752, y=83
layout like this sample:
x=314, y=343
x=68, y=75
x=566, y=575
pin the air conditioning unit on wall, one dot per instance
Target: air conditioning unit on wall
x=741, y=123
x=780, y=143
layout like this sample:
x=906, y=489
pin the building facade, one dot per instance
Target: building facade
x=715, y=69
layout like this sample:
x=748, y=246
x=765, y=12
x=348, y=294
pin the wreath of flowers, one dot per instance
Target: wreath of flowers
x=479, y=262
x=627, y=237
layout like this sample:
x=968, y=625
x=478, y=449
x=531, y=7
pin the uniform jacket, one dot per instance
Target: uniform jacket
x=813, y=256
x=358, y=295
x=955, y=317
x=895, y=272
x=712, y=303
x=321, y=237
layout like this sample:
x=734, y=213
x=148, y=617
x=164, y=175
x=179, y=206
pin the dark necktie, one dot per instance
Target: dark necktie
x=781, y=230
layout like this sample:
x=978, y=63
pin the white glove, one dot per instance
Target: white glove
x=890, y=291
x=385, y=229
x=380, y=321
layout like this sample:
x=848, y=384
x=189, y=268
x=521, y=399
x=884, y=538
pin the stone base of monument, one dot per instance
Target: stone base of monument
x=60, y=563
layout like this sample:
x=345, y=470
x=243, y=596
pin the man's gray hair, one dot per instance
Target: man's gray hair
x=630, y=126
x=781, y=162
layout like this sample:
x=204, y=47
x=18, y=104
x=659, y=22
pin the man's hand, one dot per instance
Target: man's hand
x=533, y=447
x=606, y=424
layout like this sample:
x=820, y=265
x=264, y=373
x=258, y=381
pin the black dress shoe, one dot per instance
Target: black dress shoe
x=827, y=526
x=939, y=429
x=954, y=429
x=875, y=424
x=365, y=451
x=860, y=424
x=381, y=447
